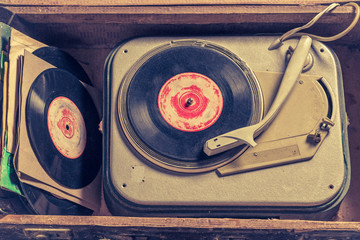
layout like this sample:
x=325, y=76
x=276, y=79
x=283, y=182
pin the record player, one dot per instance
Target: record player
x=167, y=97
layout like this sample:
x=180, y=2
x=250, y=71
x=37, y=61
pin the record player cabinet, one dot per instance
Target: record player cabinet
x=90, y=29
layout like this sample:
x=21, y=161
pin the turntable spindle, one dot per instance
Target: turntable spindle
x=189, y=102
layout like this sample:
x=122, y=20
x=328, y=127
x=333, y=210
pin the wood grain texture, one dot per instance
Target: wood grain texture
x=162, y=2
x=178, y=14
x=205, y=223
x=349, y=57
x=80, y=26
x=14, y=226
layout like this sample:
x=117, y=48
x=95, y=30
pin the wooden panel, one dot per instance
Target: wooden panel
x=349, y=57
x=15, y=227
x=163, y=2
x=68, y=26
x=200, y=223
x=179, y=14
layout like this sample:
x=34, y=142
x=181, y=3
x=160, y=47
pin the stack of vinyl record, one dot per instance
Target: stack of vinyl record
x=62, y=128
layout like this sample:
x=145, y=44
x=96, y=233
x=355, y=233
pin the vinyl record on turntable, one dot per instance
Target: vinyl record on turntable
x=62, y=124
x=177, y=97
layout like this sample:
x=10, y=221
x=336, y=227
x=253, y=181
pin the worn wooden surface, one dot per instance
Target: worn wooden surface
x=103, y=26
x=89, y=32
x=178, y=228
x=182, y=14
x=163, y=2
x=349, y=57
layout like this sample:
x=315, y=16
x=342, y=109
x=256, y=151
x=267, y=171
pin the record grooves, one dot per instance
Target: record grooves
x=65, y=136
x=157, y=138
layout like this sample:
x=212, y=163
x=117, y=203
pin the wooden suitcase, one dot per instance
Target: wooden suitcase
x=90, y=29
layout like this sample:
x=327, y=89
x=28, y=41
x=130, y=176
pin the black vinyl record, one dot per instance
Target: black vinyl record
x=44, y=203
x=13, y=203
x=62, y=60
x=139, y=102
x=62, y=124
x=5, y=194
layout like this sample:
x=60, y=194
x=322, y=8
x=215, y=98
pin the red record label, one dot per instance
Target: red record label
x=190, y=102
x=66, y=127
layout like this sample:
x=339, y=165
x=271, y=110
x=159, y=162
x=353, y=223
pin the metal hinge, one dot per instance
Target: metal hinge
x=48, y=233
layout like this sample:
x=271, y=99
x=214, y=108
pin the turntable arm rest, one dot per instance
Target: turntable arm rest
x=246, y=135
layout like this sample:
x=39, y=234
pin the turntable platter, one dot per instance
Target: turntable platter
x=179, y=96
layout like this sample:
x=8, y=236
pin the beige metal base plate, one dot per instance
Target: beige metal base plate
x=296, y=133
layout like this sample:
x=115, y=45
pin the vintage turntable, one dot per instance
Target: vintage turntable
x=167, y=98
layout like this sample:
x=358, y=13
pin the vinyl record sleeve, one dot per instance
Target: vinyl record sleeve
x=18, y=42
x=28, y=167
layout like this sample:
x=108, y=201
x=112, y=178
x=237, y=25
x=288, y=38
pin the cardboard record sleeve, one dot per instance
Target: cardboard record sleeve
x=27, y=165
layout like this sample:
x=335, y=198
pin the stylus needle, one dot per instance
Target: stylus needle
x=246, y=135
